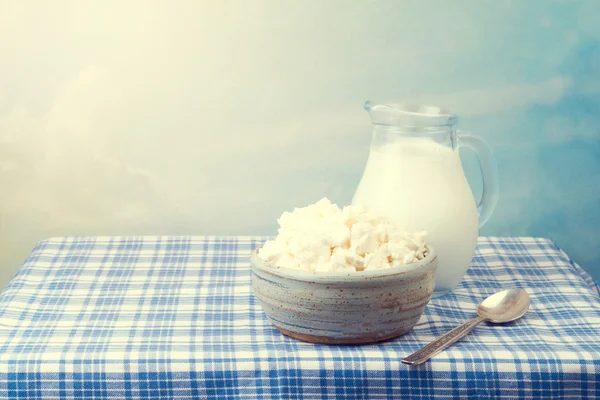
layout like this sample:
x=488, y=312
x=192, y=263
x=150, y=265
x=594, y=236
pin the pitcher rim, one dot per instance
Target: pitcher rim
x=411, y=114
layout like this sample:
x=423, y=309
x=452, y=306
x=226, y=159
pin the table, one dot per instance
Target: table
x=175, y=317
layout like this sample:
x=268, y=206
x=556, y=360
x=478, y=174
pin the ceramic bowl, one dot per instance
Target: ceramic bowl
x=343, y=308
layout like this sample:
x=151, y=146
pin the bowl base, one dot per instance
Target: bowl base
x=329, y=340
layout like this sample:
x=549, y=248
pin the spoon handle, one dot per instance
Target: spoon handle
x=439, y=344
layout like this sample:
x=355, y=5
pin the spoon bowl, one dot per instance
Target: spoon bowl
x=505, y=306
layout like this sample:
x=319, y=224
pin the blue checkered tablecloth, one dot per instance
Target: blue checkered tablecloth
x=175, y=317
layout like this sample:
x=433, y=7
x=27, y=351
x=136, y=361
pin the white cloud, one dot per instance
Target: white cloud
x=59, y=171
x=491, y=101
x=77, y=169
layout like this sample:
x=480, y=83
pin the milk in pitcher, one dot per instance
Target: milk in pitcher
x=414, y=177
x=420, y=185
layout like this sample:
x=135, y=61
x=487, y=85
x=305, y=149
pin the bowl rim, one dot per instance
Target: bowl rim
x=422, y=266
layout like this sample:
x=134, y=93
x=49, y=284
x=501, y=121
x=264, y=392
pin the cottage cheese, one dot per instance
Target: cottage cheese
x=322, y=238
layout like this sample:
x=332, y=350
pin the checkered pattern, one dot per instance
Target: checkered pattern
x=175, y=317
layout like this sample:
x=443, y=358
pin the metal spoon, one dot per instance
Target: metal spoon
x=505, y=306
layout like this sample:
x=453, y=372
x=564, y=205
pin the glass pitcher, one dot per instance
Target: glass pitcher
x=414, y=176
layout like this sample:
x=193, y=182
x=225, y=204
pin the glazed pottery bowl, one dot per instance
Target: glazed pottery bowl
x=344, y=308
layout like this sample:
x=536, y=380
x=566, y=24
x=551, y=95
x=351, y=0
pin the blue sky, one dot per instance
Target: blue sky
x=198, y=117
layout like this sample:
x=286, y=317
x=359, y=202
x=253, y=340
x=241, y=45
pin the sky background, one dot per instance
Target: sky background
x=214, y=117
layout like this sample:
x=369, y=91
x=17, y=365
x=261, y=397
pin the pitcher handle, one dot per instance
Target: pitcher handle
x=489, y=174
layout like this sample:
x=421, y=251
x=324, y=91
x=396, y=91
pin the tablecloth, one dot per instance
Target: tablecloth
x=175, y=317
